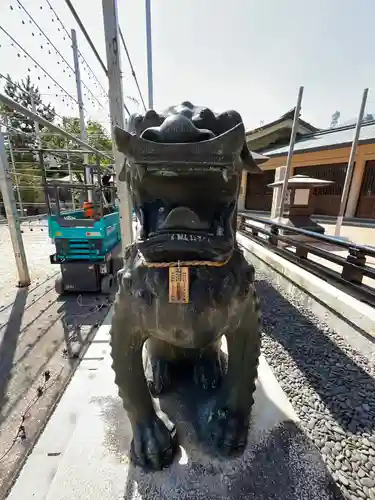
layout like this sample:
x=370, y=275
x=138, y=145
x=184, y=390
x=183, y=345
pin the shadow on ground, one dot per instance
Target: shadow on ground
x=34, y=334
x=341, y=383
x=281, y=464
x=9, y=340
x=79, y=316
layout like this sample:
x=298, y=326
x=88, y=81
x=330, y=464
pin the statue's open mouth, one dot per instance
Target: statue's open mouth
x=187, y=217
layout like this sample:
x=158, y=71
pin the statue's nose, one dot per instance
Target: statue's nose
x=183, y=218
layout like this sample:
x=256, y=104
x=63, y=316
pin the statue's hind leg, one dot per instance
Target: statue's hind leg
x=160, y=355
x=207, y=367
x=206, y=363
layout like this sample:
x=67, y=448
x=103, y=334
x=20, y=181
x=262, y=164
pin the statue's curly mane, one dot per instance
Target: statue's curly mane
x=198, y=124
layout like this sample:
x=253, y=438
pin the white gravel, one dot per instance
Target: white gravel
x=38, y=248
x=330, y=385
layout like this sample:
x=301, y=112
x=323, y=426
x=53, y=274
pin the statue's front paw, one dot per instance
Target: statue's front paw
x=208, y=372
x=228, y=431
x=154, y=444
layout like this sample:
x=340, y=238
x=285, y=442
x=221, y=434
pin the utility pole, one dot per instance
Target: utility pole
x=70, y=176
x=36, y=124
x=149, y=55
x=350, y=168
x=290, y=152
x=116, y=109
x=13, y=165
x=37, y=129
x=81, y=110
x=6, y=189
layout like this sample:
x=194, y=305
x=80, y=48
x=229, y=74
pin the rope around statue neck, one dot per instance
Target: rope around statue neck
x=187, y=263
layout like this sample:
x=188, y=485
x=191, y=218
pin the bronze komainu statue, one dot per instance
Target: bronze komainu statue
x=185, y=283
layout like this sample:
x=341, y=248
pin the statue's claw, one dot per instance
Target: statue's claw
x=154, y=444
x=228, y=431
x=208, y=372
x=161, y=379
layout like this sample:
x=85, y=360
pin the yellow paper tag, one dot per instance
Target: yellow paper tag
x=179, y=285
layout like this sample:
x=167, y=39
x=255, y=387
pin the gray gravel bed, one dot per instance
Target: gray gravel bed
x=330, y=385
x=37, y=247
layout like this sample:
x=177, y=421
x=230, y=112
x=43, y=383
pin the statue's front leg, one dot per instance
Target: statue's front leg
x=154, y=436
x=229, y=421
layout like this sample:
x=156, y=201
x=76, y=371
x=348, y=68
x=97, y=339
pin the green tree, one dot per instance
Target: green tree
x=97, y=137
x=21, y=130
x=22, y=136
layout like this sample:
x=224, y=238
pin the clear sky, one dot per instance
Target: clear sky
x=250, y=55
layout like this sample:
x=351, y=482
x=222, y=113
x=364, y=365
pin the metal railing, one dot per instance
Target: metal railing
x=287, y=242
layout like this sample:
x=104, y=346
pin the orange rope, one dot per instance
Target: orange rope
x=187, y=263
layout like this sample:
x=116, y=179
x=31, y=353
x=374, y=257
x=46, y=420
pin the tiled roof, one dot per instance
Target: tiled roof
x=289, y=115
x=328, y=139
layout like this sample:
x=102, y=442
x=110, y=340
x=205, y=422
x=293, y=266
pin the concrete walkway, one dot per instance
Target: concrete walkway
x=83, y=452
x=357, y=234
x=40, y=333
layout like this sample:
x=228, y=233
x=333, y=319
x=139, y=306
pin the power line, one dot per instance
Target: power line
x=132, y=68
x=80, y=53
x=24, y=92
x=55, y=48
x=48, y=134
x=87, y=36
x=13, y=113
x=32, y=135
x=37, y=64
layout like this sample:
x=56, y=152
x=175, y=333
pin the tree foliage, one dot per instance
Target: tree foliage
x=22, y=136
x=97, y=137
x=21, y=127
x=21, y=130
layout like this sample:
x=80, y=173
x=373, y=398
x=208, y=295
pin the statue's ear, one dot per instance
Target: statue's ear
x=123, y=139
x=251, y=160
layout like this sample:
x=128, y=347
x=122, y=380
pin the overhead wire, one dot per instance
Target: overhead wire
x=52, y=134
x=132, y=68
x=102, y=135
x=85, y=33
x=57, y=50
x=90, y=42
x=16, y=131
x=80, y=53
x=37, y=64
x=55, y=155
x=87, y=36
x=26, y=93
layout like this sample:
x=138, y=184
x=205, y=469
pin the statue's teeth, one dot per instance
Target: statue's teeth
x=225, y=175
